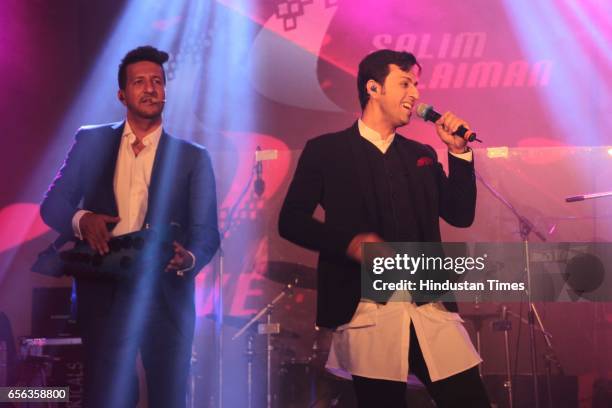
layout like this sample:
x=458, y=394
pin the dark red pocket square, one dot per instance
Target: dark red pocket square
x=424, y=161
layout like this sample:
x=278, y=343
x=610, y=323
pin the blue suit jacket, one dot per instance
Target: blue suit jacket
x=182, y=190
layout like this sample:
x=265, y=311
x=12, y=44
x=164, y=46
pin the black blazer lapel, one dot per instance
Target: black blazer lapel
x=409, y=163
x=361, y=169
x=423, y=186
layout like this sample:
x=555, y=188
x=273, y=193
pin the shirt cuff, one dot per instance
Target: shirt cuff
x=181, y=272
x=467, y=156
x=76, y=219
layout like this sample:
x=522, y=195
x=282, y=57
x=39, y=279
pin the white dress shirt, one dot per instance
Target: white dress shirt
x=375, y=343
x=131, y=182
x=133, y=178
x=131, y=185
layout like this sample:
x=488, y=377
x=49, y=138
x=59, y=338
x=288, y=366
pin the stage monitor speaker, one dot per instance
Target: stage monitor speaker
x=51, y=313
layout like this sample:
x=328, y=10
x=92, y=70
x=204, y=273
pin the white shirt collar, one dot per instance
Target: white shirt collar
x=374, y=137
x=151, y=138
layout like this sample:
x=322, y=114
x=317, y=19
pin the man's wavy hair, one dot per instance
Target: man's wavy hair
x=376, y=66
x=143, y=53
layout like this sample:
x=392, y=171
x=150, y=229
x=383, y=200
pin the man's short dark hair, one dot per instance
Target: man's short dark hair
x=376, y=66
x=143, y=53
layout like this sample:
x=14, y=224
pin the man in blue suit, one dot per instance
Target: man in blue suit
x=116, y=179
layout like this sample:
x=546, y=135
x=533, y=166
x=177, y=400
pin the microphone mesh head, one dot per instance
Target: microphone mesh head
x=422, y=109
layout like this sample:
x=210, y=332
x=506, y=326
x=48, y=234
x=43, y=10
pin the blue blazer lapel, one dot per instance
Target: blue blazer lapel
x=109, y=153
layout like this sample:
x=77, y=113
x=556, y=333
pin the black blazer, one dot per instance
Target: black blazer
x=332, y=172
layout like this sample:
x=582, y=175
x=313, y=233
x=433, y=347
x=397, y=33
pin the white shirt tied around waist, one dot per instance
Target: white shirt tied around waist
x=376, y=342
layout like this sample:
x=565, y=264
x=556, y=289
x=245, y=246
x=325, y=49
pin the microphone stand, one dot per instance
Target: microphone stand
x=507, y=327
x=588, y=196
x=268, y=329
x=219, y=278
x=525, y=228
x=550, y=358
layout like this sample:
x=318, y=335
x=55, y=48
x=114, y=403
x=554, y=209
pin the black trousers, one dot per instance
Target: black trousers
x=113, y=333
x=462, y=390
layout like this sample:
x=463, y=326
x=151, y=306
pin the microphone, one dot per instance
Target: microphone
x=428, y=114
x=260, y=156
x=260, y=185
x=583, y=197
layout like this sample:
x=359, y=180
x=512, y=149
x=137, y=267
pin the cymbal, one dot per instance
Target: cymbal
x=287, y=273
x=239, y=321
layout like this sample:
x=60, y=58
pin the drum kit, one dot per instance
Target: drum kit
x=301, y=380
x=301, y=377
